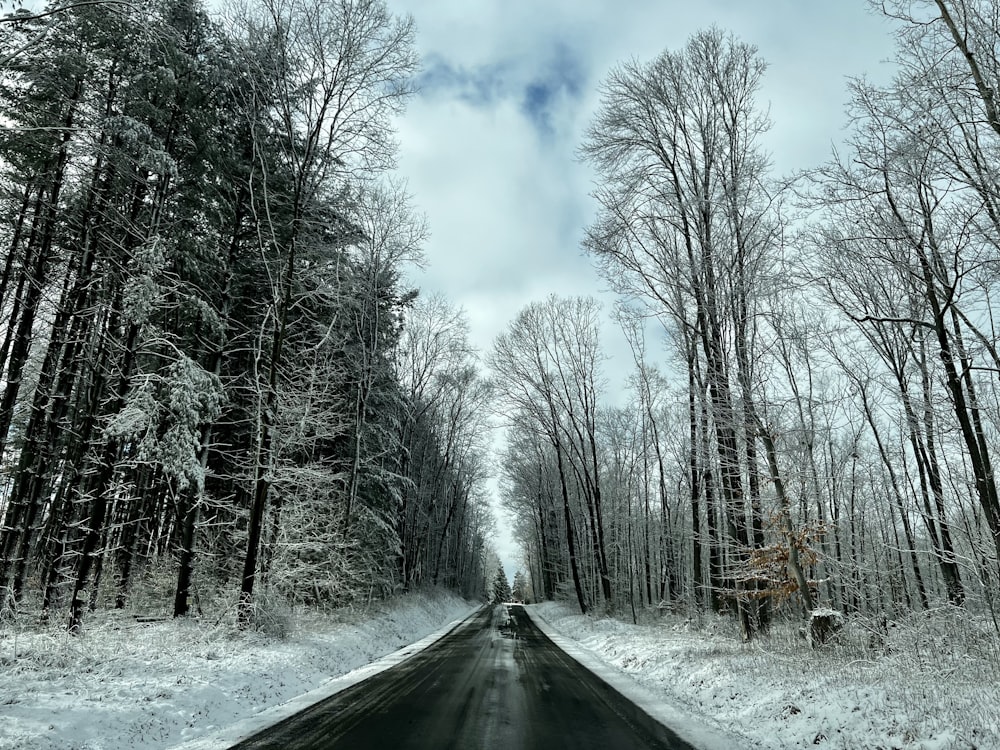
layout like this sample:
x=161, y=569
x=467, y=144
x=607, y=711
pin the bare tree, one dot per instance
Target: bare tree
x=549, y=358
x=684, y=226
x=902, y=258
x=335, y=72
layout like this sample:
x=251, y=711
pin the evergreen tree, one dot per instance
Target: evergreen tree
x=501, y=586
x=519, y=592
x=202, y=304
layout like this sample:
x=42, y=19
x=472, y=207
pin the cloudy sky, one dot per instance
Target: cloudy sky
x=508, y=86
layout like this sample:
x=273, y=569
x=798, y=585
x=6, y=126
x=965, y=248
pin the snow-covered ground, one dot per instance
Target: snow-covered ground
x=124, y=684
x=929, y=682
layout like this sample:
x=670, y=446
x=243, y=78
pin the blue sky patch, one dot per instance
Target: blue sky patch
x=480, y=86
x=537, y=87
x=562, y=75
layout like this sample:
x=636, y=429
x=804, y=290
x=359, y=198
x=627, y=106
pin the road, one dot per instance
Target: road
x=496, y=681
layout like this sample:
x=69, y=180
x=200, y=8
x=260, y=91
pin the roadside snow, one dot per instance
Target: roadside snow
x=930, y=684
x=128, y=685
x=700, y=732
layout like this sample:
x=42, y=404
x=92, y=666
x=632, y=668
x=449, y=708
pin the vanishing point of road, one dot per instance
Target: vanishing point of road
x=496, y=681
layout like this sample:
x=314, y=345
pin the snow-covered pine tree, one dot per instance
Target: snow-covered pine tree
x=501, y=586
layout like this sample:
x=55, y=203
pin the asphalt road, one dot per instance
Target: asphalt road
x=494, y=682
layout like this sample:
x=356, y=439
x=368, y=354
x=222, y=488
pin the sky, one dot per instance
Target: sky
x=488, y=146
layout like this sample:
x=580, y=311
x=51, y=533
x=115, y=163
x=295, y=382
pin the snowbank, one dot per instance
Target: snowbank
x=156, y=685
x=928, y=684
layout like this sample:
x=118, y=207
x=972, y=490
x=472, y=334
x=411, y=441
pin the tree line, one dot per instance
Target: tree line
x=824, y=433
x=210, y=360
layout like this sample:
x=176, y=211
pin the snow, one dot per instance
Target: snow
x=929, y=682
x=124, y=684
x=925, y=682
x=697, y=731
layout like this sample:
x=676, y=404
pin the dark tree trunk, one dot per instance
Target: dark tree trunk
x=897, y=496
x=101, y=490
x=694, y=478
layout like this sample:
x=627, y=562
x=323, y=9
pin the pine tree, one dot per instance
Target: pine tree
x=501, y=586
x=520, y=590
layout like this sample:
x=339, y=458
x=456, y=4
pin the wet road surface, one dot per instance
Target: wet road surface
x=496, y=681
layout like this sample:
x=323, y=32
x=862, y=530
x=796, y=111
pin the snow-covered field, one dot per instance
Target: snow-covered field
x=125, y=684
x=930, y=682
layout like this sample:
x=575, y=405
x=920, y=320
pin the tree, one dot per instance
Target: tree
x=550, y=357
x=115, y=273
x=650, y=387
x=501, y=587
x=530, y=492
x=905, y=210
x=520, y=591
x=164, y=172
x=443, y=430
x=336, y=73
x=685, y=224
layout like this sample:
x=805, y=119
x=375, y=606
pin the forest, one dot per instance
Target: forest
x=819, y=439
x=217, y=383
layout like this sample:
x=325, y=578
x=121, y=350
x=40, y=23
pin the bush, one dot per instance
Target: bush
x=272, y=614
x=824, y=624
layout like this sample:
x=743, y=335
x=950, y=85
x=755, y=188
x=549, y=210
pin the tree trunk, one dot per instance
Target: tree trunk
x=100, y=490
x=897, y=496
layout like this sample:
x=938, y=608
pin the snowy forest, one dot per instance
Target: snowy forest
x=217, y=382
x=820, y=437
